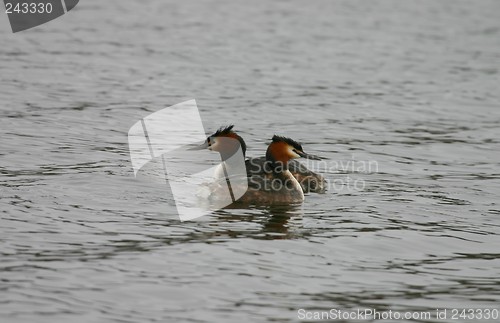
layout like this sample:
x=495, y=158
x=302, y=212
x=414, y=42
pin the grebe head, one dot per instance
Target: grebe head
x=283, y=149
x=225, y=141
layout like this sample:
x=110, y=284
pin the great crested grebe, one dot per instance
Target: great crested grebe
x=274, y=183
x=308, y=180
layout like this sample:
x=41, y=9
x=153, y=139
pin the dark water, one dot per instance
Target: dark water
x=410, y=86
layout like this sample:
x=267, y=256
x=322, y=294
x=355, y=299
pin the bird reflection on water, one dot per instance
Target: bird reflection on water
x=275, y=221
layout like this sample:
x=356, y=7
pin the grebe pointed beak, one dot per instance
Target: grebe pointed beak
x=308, y=156
x=315, y=157
x=204, y=145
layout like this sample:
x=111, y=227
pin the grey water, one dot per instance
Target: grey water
x=408, y=87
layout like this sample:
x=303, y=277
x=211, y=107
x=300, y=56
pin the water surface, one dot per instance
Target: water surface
x=412, y=86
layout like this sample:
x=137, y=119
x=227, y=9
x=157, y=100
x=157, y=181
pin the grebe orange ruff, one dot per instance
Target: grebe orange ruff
x=276, y=178
x=309, y=180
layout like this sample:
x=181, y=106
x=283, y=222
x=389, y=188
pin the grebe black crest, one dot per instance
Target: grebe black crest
x=227, y=132
x=224, y=131
x=289, y=141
